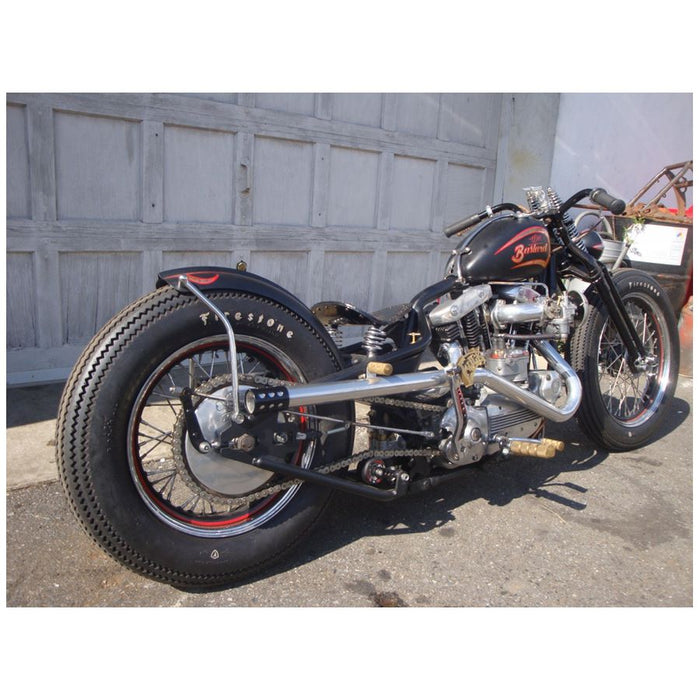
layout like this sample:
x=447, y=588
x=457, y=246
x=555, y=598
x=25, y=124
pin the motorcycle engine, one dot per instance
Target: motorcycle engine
x=523, y=304
x=514, y=315
x=495, y=415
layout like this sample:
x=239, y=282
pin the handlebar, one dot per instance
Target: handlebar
x=458, y=226
x=464, y=224
x=600, y=196
x=597, y=195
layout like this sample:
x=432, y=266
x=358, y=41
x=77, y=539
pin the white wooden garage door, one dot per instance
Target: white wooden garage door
x=331, y=195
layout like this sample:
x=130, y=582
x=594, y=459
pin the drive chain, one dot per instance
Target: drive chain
x=233, y=504
x=400, y=403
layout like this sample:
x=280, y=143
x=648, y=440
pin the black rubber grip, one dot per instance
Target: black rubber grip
x=600, y=196
x=452, y=229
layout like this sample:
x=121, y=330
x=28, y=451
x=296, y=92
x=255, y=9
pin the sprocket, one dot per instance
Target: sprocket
x=217, y=479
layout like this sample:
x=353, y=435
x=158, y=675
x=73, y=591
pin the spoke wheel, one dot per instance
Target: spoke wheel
x=623, y=409
x=153, y=501
x=201, y=493
x=631, y=397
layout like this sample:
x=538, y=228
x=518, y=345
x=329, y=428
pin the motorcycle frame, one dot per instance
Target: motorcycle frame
x=415, y=330
x=416, y=335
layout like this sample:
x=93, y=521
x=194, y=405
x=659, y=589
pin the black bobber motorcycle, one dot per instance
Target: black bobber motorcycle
x=205, y=426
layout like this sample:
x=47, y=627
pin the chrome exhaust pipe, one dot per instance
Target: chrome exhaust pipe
x=574, y=390
x=279, y=398
x=258, y=400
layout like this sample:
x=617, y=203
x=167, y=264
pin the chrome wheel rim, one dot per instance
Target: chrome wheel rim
x=632, y=398
x=193, y=506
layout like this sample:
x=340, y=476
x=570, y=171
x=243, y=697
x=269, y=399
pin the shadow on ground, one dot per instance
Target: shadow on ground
x=32, y=404
x=498, y=482
x=47, y=549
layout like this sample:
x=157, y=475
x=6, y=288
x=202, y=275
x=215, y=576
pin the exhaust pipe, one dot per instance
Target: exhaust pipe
x=279, y=398
x=574, y=391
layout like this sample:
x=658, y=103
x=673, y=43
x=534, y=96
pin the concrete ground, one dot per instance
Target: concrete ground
x=586, y=529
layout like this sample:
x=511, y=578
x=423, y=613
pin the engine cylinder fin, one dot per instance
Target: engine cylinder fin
x=449, y=333
x=473, y=330
x=507, y=419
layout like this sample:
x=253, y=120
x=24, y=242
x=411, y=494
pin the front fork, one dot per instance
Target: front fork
x=597, y=274
x=638, y=360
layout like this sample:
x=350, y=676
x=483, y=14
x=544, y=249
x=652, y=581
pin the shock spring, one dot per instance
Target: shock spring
x=373, y=340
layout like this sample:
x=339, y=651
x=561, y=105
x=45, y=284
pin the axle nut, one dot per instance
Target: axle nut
x=244, y=442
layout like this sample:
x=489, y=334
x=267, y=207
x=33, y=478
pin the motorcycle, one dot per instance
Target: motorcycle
x=204, y=428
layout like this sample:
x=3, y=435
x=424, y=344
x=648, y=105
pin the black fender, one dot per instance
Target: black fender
x=228, y=279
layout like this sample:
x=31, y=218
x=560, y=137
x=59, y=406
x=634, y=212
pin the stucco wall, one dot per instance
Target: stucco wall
x=619, y=141
x=526, y=147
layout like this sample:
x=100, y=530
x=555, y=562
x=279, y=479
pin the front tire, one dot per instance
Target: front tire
x=621, y=410
x=135, y=481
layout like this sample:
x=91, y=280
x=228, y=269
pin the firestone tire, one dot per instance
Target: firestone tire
x=136, y=484
x=621, y=410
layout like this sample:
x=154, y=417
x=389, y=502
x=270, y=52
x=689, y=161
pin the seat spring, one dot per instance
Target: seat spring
x=373, y=340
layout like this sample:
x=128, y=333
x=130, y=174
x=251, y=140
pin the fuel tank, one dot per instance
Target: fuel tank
x=506, y=248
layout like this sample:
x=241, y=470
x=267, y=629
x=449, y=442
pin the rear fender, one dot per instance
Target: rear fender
x=216, y=279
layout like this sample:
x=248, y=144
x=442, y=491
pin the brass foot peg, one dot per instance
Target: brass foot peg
x=544, y=448
x=383, y=369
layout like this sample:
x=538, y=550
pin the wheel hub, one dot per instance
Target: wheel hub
x=226, y=470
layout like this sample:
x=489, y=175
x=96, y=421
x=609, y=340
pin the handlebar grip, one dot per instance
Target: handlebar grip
x=600, y=196
x=452, y=229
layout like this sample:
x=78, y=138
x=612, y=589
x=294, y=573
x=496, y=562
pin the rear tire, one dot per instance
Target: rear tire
x=621, y=410
x=133, y=478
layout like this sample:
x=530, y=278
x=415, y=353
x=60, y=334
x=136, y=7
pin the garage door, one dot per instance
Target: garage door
x=331, y=195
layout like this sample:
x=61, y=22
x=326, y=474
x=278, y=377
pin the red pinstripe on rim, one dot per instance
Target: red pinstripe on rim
x=214, y=523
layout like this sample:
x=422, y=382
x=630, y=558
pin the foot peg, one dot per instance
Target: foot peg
x=544, y=448
x=383, y=369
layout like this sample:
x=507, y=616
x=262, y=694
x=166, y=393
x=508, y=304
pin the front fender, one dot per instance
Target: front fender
x=228, y=279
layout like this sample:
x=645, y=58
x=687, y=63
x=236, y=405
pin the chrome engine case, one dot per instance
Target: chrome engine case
x=495, y=417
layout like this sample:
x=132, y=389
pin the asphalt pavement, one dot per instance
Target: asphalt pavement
x=585, y=529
